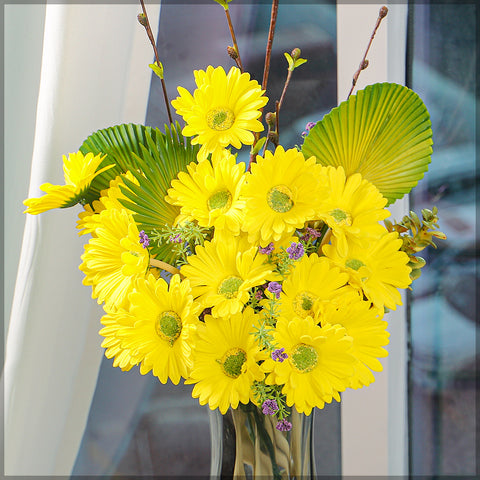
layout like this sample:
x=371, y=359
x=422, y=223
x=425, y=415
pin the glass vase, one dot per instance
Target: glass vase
x=246, y=445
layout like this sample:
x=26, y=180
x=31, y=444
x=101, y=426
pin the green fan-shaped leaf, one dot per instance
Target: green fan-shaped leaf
x=383, y=132
x=161, y=158
x=120, y=144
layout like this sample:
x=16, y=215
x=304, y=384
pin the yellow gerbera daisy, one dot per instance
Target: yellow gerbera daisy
x=226, y=357
x=223, y=110
x=314, y=280
x=353, y=208
x=280, y=194
x=369, y=335
x=110, y=198
x=114, y=259
x=379, y=268
x=79, y=171
x=113, y=322
x=223, y=271
x=211, y=194
x=318, y=364
x=166, y=319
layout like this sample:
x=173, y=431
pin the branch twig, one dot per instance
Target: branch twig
x=364, y=63
x=148, y=29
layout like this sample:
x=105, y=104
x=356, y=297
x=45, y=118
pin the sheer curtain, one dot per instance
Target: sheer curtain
x=94, y=73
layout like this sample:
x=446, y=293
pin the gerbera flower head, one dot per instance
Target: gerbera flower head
x=318, y=364
x=353, y=208
x=369, y=335
x=114, y=322
x=313, y=281
x=211, y=194
x=114, y=259
x=222, y=111
x=378, y=269
x=166, y=320
x=279, y=194
x=79, y=171
x=226, y=357
x=223, y=271
x=109, y=198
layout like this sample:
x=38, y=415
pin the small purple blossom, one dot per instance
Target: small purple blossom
x=295, y=251
x=308, y=127
x=258, y=294
x=284, y=426
x=143, y=239
x=279, y=355
x=311, y=233
x=267, y=250
x=175, y=239
x=275, y=288
x=269, y=407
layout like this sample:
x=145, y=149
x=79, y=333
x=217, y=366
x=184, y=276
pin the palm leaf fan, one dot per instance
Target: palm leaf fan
x=383, y=132
x=162, y=157
x=119, y=144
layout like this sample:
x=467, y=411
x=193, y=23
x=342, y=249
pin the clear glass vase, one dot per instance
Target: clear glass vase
x=246, y=445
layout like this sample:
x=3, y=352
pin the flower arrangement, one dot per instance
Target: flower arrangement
x=264, y=283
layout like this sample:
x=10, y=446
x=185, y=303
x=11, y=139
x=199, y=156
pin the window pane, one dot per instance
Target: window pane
x=443, y=369
x=138, y=426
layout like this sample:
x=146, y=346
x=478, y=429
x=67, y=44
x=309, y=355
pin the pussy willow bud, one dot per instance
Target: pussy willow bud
x=271, y=118
x=232, y=52
x=296, y=52
x=273, y=137
x=383, y=12
x=142, y=19
x=365, y=64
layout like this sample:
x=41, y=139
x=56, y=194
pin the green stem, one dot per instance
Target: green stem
x=238, y=60
x=155, y=51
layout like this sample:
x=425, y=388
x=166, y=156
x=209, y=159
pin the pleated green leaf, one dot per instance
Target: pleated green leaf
x=154, y=159
x=383, y=132
x=161, y=158
x=120, y=144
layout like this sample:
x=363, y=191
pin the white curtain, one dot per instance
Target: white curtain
x=94, y=74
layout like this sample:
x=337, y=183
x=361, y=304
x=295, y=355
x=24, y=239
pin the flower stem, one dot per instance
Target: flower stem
x=266, y=68
x=155, y=51
x=238, y=60
x=364, y=63
x=271, y=33
x=164, y=266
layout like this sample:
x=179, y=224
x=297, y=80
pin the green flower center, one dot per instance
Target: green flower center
x=220, y=118
x=220, y=199
x=304, y=358
x=229, y=287
x=168, y=326
x=302, y=304
x=341, y=217
x=354, y=263
x=279, y=199
x=232, y=362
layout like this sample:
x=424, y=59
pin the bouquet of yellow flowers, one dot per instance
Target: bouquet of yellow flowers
x=263, y=284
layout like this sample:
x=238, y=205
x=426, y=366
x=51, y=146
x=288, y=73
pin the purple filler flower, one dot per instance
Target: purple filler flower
x=267, y=250
x=311, y=233
x=275, y=288
x=295, y=251
x=269, y=407
x=144, y=240
x=284, y=426
x=259, y=295
x=308, y=127
x=175, y=239
x=279, y=355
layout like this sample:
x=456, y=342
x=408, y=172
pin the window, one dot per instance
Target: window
x=443, y=370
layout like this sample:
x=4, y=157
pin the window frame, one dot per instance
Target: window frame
x=374, y=419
